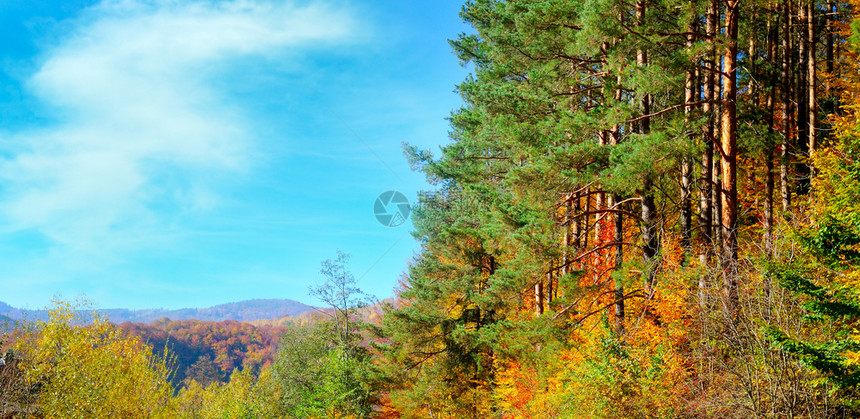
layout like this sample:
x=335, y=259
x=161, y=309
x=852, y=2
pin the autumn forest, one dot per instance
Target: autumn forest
x=645, y=209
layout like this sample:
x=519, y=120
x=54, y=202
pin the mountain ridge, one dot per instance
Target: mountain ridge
x=244, y=311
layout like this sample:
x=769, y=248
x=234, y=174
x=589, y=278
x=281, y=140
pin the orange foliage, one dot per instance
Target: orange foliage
x=230, y=344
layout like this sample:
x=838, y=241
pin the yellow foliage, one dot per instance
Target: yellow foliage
x=242, y=397
x=93, y=371
x=645, y=374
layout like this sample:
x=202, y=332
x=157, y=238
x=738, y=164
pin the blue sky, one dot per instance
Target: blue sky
x=172, y=153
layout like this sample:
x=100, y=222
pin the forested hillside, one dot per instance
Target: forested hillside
x=208, y=351
x=645, y=209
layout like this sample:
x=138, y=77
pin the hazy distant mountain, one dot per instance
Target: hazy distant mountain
x=368, y=314
x=8, y=311
x=242, y=311
x=7, y=324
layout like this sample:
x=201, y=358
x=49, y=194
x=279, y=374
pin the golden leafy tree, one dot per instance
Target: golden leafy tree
x=91, y=370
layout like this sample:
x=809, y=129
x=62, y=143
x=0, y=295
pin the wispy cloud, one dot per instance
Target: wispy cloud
x=140, y=127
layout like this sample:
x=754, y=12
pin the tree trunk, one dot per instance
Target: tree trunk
x=618, y=236
x=828, y=51
x=599, y=206
x=686, y=161
x=728, y=160
x=586, y=217
x=811, y=83
x=618, y=285
x=729, y=154
x=576, y=226
x=599, y=198
x=706, y=198
x=549, y=285
x=772, y=33
x=802, y=94
x=717, y=197
x=565, y=254
x=784, y=159
x=650, y=239
x=718, y=129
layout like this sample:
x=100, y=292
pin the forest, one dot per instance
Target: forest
x=644, y=209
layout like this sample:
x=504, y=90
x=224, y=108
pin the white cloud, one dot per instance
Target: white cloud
x=130, y=84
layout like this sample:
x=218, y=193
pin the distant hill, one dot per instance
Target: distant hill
x=259, y=309
x=369, y=314
x=8, y=311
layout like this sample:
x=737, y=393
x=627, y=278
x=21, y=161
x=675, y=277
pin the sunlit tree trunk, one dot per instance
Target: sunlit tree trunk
x=729, y=155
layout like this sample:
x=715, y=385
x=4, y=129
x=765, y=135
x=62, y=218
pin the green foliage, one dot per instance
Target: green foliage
x=823, y=302
x=314, y=376
x=834, y=304
x=836, y=240
x=827, y=357
x=611, y=367
x=439, y=351
x=320, y=369
x=827, y=283
x=542, y=95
